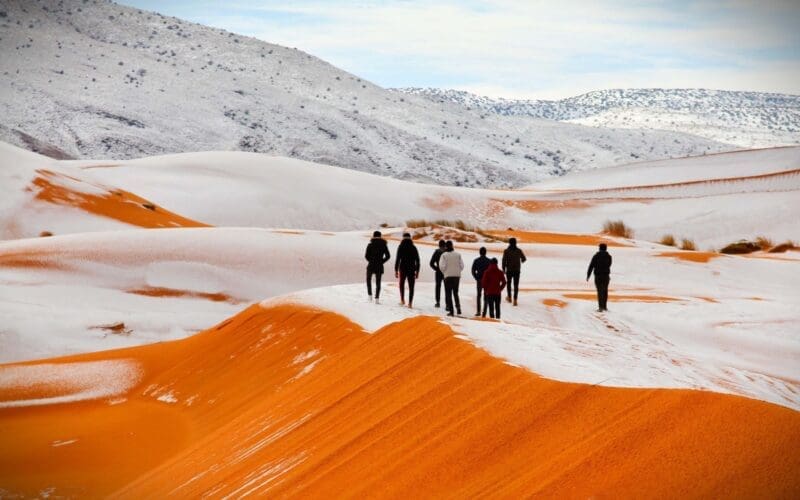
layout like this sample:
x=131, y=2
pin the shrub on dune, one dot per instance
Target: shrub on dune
x=783, y=247
x=687, y=244
x=741, y=247
x=668, y=240
x=764, y=242
x=413, y=223
x=617, y=228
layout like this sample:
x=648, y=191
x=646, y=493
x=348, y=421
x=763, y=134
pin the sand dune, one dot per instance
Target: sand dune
x=713, y=200
x=257, y=404
x=114, y=384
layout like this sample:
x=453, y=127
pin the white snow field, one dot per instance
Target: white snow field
x=713, y=200
x=719, y=323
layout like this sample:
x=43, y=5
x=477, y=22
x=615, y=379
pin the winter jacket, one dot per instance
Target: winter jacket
x=493, y=280
x=407, y=259
x=479, y=265
x=435, y=259
x=513, y=259
x=451, y=265
x=377, y=253
x=601, y=264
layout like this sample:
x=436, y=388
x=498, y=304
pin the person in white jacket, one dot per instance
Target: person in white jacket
x=451, y=265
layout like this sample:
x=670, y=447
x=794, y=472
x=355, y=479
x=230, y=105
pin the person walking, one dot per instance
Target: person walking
x=435, y=266
x=479, y=265
x=451, y=265
x=493, y=282
x=512, y=265
x=377, y=254
x=601, y=265
x=406, y=267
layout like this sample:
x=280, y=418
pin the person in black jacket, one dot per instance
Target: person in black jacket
x=435, y=266
x=601, y=265
x=479, y=265
x=512, y=265
x=406, y=267
x=377, y=254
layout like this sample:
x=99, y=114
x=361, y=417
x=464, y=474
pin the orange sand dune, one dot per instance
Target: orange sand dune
x=555, y=303
x=408, y=411
x=701, y=257
x=152, y=291
x=557, y=238
x=115, y=204
x=31, y=259
x=613, y=297
x=546, y=205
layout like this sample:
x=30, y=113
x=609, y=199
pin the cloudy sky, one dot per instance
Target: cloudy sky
x=528, y=48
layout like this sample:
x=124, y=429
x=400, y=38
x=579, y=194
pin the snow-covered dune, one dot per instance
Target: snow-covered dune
x=111, y=357
x=670, y=315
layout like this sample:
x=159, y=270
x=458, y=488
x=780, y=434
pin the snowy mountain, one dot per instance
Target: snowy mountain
x=745, y=119
x=94, y=79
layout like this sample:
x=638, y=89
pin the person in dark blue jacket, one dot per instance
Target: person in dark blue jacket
x=601, y=265
x=479, y=265
x=377, y=254
x=437, y=273
x=406, y=267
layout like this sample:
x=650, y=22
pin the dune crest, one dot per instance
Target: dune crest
x=296, y=401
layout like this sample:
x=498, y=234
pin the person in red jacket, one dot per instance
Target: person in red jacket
x=493, y=282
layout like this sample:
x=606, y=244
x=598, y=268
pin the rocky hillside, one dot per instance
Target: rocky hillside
x=91, y=78
x=744, y=119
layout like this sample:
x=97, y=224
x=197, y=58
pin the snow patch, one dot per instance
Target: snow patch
x=68, y=382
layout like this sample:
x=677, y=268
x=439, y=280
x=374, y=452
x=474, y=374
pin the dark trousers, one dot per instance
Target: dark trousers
x=411, y=277
x=451, y=294
x=439, y=281
x=377, y=283
x=601, y=283
x=513, y=280
x=478, y=293
x=493, y=303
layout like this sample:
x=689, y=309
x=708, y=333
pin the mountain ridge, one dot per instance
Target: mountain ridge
x=742, y=118
x=94, y=79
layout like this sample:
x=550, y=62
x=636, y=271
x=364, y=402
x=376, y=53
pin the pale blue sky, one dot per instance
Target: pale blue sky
x=528, y=48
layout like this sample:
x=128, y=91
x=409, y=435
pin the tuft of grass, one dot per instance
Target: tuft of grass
x=458, y=224
x=45, y=234
x=783, y=247
x=414, y=223
x=687, y=244
x=617, y=228
x=455, y=224
x=764, y=242
x=668, y=240
x=741, y=247
x=385, y=224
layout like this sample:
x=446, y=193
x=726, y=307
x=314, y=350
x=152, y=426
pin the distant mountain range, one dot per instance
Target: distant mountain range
x=94, y=79
x=744, y=119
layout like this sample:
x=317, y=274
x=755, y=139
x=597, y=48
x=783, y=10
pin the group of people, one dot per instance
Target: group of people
x=447, y=264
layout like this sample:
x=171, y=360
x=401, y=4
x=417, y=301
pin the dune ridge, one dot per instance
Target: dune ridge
x=289, y=400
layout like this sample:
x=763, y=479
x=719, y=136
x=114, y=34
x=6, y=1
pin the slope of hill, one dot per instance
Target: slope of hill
x=291, y=401
x=745, y=119
x=714, y=199
x=99, y=80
